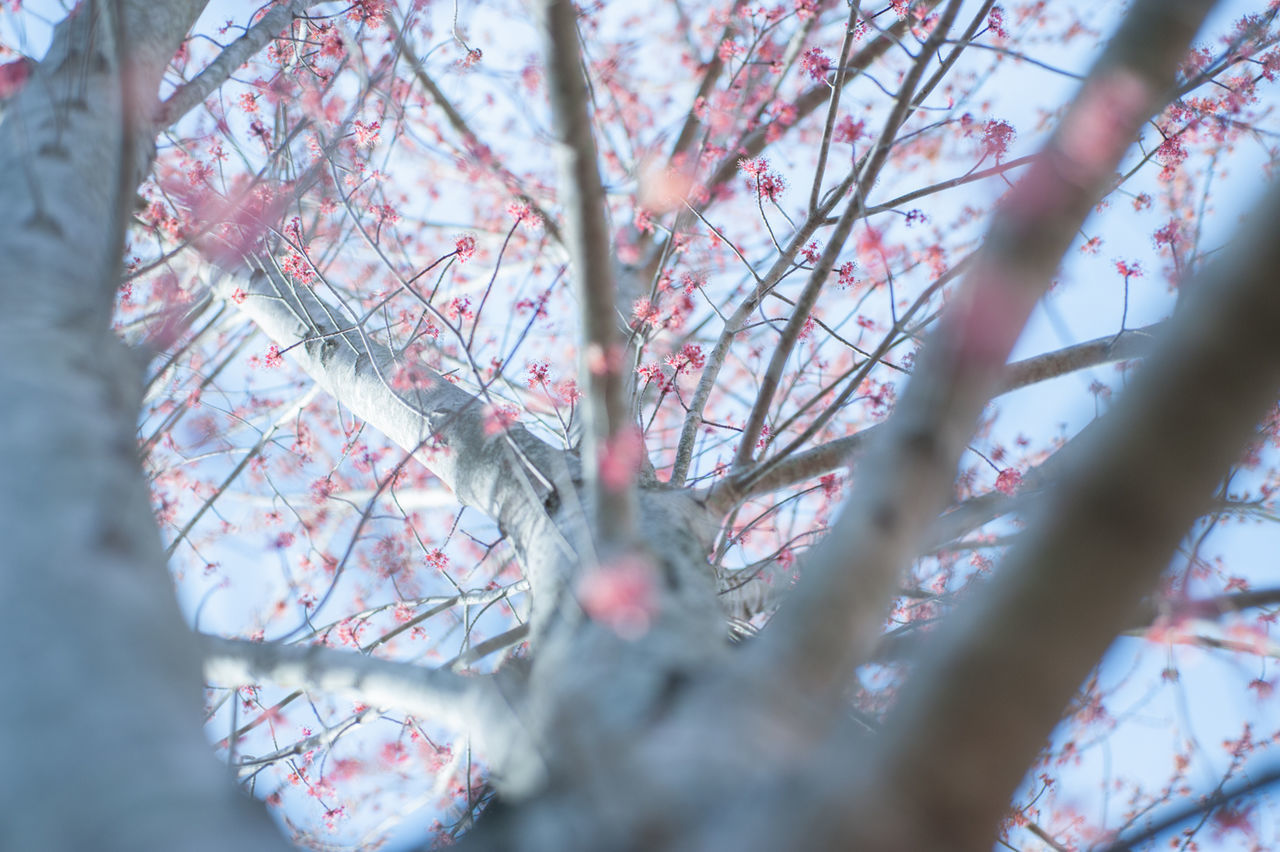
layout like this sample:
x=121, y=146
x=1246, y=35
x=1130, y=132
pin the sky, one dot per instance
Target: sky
x=1207, y=704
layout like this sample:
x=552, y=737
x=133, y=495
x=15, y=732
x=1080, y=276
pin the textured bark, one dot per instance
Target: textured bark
x=588, y=686
x=100, y=727
x=507, y=475
x=484, y=707
x=833, y=619
x=984, y=701
x=665, y=740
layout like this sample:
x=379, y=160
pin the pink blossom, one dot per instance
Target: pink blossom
x=13, y=76
x=806, y=8
x=995, y=22
x=644, y=312
x=652, y=374
x=620, y=459
x=538, y=373
x=996, y=136
x=692, y=353
x=830, y=486
x=849, y=131
x=566, y=390
x=728, y=50
x=369, y=12
x=523, y=212
x=1129, y=270
x=459, y=307
x=770, y=186
x=622, y=596
x=1009, y=481
x=815, y=63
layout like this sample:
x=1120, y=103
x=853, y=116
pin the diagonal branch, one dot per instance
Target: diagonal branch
x=505, y=473
x=833, y=618
x=870, y=173
x=191, y=94
x=982, y=702
x=952, y=183
x=1130, y=343
x=1133, y=343
x=812, y=99
x=472, y=145
x=707, y=380
x=755, y=141
x=911, y=641
x=833, y=108
x=710, y=76
x=1255, y=780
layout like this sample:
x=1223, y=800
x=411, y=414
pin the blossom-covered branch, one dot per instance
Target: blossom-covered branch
x=490, y=463
x=193, y=93
x=867, y=176
x=837, y=453
x=982, y=701
x=835, y=614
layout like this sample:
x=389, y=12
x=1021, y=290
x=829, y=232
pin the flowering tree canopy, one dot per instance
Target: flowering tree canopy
x=693, y=425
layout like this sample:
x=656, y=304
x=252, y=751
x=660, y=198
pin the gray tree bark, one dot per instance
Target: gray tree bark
x=668, y=740
x=100, y=724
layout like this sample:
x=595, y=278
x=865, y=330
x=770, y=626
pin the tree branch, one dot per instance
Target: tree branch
x=833, y=618
x=610, y=437
x=870, y=172
x=482, y=706
x=811, y=99
x=1130, y=343
x=715, y=360
x=982, y=700
x=972, y=513
x=1255, y=780
x=505, y=473
x=908, y=197
x=191, y=94
x=93, y=636
x=469, y=137
x=710, y=75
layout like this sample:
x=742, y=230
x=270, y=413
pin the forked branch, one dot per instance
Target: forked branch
x=982, y=700
x=834, y=616
x=500, y=469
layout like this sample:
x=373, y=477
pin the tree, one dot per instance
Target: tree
x=365, y=331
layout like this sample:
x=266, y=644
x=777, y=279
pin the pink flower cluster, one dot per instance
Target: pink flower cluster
x=767, y=184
